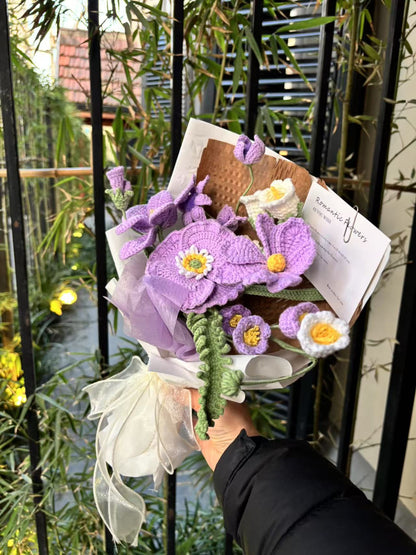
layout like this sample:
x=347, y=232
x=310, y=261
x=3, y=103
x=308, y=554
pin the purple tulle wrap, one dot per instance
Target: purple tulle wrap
x=150, y=306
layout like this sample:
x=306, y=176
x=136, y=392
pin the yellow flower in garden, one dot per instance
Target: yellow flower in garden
x=67, y=296
x=17, y=396
x=56, y=306
x=10, y=366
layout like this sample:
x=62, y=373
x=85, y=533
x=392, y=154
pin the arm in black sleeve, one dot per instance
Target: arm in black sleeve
x=282, y=497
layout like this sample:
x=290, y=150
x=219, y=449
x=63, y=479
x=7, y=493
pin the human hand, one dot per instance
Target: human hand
x=227, y=427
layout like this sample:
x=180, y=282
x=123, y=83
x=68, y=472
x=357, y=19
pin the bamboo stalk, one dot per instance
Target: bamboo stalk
x=87, y=171
x=347, y=97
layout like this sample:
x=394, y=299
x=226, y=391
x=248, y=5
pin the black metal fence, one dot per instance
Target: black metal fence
x=403, y=377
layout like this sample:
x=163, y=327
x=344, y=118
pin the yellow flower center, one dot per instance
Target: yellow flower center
x=302, y=316
x=234, y=320
x=195, y=262
x=324, y=334
x=274, y=194
x=252, y=336
x=276, y=263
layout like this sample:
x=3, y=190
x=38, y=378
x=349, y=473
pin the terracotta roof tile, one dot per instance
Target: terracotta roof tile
x=74, y=67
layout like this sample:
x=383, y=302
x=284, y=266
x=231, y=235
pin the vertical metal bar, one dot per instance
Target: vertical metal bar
x=379, y=168
x=16, y=215
x=98, y=176
x=99, y=201
x=176, y=140
x=177, y=78
x=253, y=69
x=402, y=388
x=322, y=87
x=302, y=391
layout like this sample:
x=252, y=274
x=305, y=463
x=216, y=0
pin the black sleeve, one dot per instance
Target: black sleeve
x=282, y=497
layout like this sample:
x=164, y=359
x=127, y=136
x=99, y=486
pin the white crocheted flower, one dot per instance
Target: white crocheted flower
x=322, y=333
x=194, y=263
x=252, y=204
x=279, y=200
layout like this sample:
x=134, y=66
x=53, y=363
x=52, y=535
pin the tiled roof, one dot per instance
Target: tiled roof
x=73, y=70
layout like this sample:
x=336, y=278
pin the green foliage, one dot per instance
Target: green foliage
x=211, y=345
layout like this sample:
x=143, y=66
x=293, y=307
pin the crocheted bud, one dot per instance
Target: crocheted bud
x=231, y=382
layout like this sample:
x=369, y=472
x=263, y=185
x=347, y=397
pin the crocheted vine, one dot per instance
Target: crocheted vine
x=211, y=345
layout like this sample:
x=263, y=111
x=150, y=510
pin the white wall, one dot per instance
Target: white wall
x=396, y=217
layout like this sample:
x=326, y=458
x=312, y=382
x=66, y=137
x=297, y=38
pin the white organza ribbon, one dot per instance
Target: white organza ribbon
x=145, y=428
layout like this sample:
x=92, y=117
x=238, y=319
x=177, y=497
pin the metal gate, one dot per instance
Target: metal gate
x=403, y=378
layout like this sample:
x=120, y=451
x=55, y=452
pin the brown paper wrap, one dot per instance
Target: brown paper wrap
x=229, y=178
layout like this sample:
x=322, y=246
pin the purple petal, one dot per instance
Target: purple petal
x=265, y=227
x=229, y=312
x=247, y=152
x=293, y=239
x=162, y=211
x=201, y=184
x=243, y=251
x=221, y=295
x=183, y=197
x=259, y=276
x=241, y=148
x=277, y=282
x=256, y=151
x=137, y=245
x=162, y=263
x=227, y=218
x=245, y=324
x=136, y=218
x=202, y=200
x=289, y=319
x=116, y=177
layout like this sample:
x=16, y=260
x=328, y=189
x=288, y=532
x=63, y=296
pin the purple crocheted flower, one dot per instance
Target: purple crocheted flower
x=288, y=251
x=160, y=211
x=291, y=318
x=249, y=152
x=191, y=201
x=116, y=178
x=228, y=218
x=194, y=257
x=231, y=315
x=251, y=335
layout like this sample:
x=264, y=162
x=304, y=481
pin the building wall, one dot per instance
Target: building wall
x=396, y=218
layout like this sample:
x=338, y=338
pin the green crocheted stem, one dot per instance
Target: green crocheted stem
x=311, y=294
x=211, y=345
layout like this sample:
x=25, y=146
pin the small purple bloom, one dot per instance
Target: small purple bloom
x=231, y=315
x=290, y=319
x=251, y=336
x=228, y=218
x=116, y=178
x=191, y=201
x=249, y=152
x=159, y=212
x=194, y=257
x=288, y=251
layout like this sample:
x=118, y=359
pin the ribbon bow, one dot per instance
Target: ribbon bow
x=145, y=428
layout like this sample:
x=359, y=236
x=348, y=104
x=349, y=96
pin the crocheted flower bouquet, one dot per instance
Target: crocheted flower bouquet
x=211, y=284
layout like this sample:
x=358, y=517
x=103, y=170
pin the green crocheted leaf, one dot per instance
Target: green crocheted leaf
x=211, y=345
x=311, y=294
